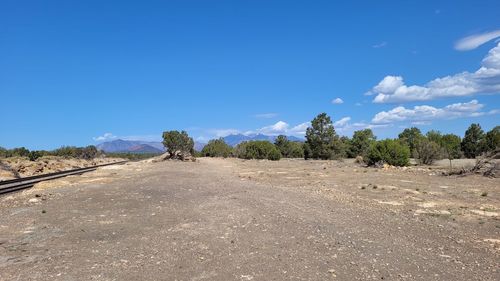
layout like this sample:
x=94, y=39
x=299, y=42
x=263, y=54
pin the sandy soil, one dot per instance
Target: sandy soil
x=231, y=219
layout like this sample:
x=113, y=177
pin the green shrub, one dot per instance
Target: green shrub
x=274, y=155
x=307, y=151
x=33, y=155
x=392, y=152
x=296, y=150
x=289, y=149
x=217, y=148
x=426, y=151
x=257, y=150
x=20, y=152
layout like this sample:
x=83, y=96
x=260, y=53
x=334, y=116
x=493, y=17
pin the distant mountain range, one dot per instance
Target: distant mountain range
x=132, y=146
x=234, y=140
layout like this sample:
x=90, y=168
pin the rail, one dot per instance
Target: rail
x=13, y=185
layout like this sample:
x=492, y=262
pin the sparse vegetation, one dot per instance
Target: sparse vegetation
x=322, y=142
x=131, y=156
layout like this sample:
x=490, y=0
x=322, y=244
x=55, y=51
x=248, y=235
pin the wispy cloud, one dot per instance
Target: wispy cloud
x=344, y=126
x=476, y=40
x=337, y=101
x=111, y=136
x=105, y=137
x=278, y=128
x=342, y=122
x=380, y=45
x=220, y=133
x=282, y=128
x=423, y=113
x=486, y=80
x=266, y=115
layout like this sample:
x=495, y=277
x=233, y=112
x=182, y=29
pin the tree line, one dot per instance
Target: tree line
x=87, y=153
x=322, y=142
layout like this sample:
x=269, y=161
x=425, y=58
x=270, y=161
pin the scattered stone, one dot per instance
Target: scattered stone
x=484, y=213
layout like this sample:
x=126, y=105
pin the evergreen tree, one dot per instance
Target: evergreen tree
x=472, y=142
x=321, y=138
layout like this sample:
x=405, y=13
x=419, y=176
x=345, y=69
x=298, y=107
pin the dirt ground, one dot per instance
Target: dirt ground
x=230, y=219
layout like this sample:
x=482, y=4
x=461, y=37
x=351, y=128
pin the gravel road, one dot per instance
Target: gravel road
x=200, y=221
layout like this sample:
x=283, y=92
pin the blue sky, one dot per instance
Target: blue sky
x=79, y=72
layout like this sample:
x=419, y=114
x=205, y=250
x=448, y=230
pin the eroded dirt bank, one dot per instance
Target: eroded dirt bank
x=252, y=220
x=16, y=167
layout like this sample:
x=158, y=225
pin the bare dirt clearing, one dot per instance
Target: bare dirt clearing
x=230, y=219
x=420, y=189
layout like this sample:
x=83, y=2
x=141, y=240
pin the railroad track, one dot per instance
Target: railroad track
x=14, y=185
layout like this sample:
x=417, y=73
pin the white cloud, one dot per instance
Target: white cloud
x=300, y=130
x=110, y=136
x=426, y=113
x=476, y=40
x=278, y=128
x=337, y=101
x=281, y=128
x=266, y=115
x=421, y=123
x=220, y=133
x=105, y=137
x=380, y=45
x=486, y=80
x=342, y=122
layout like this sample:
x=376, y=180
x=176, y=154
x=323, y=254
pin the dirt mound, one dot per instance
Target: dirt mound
x=17, y=167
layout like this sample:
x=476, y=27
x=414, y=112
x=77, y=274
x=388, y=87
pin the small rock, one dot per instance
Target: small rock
x=33, y=200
